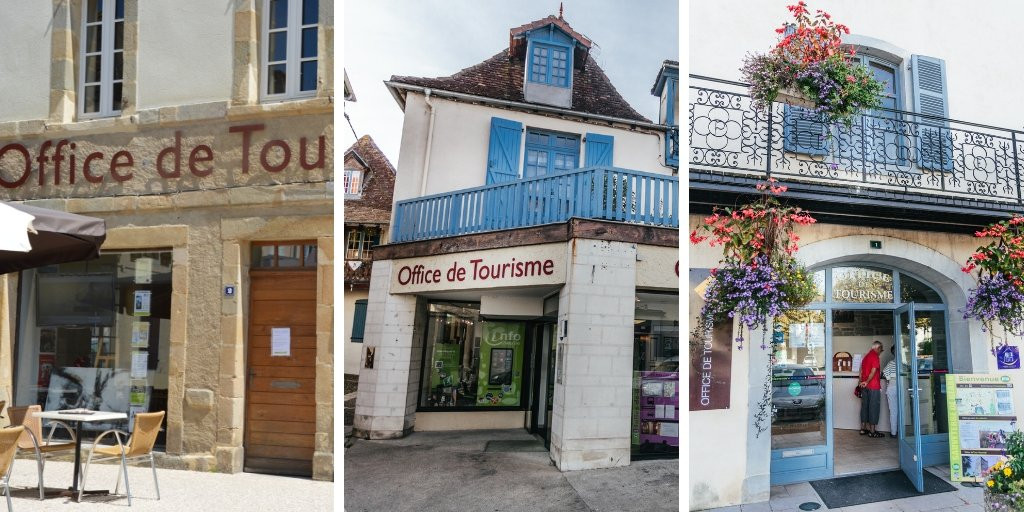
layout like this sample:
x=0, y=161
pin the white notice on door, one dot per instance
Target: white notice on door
x=281, y=341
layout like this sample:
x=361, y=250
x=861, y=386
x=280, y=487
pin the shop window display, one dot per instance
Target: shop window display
x=96, y=334
x=655, y=418
x=471, y=362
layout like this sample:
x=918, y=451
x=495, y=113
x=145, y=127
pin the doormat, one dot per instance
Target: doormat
x=874, y=487
x=531, y=445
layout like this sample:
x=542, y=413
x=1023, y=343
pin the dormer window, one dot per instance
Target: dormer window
x=549, y=49
x=549, y=64
x=353, y=183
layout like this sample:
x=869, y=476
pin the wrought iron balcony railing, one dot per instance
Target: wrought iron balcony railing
x=606, y=193
x=885, y=149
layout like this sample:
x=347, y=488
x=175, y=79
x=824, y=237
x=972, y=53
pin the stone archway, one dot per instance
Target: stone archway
x=937, y=269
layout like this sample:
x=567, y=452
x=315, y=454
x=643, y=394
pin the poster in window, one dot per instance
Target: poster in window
x=99, y=389
x=144, y=271
x=46, y=362
x=140, y=334
x=501, y=364
x=501, y=367
x=47, y=341
x=143, y=299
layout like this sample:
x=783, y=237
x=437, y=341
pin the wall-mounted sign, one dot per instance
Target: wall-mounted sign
x=158, y=159
x=981, y=417
x=516, y=266
x=1008, y=357
x=858, y=284
x=657, y=267
x=229, y=291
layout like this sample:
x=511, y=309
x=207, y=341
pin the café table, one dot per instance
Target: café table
x=79, y=416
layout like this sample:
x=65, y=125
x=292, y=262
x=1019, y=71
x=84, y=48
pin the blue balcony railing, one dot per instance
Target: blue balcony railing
x=672, y=146
x=605, y=193
x=890, y=150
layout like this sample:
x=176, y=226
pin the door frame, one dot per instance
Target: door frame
x=911, y=457
x=261, y=272
x=935, y=447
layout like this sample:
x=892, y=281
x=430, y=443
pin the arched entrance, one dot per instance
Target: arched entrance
x=818, y=349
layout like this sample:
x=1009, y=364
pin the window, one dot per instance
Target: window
x=290, y=48
x=96, y=334
x=101, y=72
x=359, y=321
x=548, y=152
x=360, y=244
x=462, y=371
x=656, y=413
x=549, y=64
x=270, y=255
x=353, y=182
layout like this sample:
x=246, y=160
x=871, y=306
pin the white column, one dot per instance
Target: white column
x=591, y=413
x=386, y=400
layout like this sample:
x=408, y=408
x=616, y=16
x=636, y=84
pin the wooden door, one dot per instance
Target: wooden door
x=280, y=396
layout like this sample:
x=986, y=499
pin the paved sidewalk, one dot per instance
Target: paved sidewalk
x=787, y=498
x=446, y=471
x=180, y=491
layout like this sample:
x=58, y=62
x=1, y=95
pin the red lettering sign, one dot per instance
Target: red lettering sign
x=60, y=158
x=479, y=270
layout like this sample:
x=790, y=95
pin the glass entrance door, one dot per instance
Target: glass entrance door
x=908, y=391
x=801, y=391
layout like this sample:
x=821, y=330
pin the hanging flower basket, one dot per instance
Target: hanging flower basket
x=809, y=68
x=758, y=278
x=998, y=299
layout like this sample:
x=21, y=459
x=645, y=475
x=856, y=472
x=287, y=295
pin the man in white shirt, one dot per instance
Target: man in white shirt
x=889, y=372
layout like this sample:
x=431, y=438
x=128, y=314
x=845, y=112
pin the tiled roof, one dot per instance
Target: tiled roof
x=374, y=207
x=556, y=21
x=501, y=77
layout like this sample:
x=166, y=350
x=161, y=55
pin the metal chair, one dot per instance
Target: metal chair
x=32, y=437
x=138, y=447
x=8, y=447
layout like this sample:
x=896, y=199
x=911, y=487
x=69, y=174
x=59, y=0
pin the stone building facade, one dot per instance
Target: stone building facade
x=369, y=185
x=204, y=138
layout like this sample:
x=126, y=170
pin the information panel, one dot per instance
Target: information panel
x=981, y=417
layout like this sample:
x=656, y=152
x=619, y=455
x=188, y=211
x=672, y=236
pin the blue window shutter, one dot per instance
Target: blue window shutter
x=503, y=155
x=359, y=321
x=803, y=132
x=599, y=149
x=934, y=140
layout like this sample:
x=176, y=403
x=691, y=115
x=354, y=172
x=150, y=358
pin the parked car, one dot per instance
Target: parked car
x=797, y=392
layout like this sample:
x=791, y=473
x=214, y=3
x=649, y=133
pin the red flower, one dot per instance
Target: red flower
x=851, y=79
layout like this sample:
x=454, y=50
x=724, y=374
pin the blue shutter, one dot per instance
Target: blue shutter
x=803, y=131
x=934, y=140
x=503, y=155
x=599, y=149
x=359, y=321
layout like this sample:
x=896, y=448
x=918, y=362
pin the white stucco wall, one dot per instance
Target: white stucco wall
x=25, y=60
x=353, y=351
x=978, y=43
x=185, y=52
x=458, y=154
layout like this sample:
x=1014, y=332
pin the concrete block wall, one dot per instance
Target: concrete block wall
x=591, y=413
x=386, y=400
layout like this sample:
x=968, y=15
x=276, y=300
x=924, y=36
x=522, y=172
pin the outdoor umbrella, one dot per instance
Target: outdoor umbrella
x=53, y=236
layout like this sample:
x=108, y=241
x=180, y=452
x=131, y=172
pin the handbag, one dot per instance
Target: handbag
x=857, y=391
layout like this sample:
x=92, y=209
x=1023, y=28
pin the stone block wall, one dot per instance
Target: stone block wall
x=590, y=426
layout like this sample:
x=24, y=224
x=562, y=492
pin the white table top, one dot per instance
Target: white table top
x=95, y=416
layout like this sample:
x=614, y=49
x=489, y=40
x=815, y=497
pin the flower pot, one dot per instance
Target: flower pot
x=998, y=502
x=793, y=96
